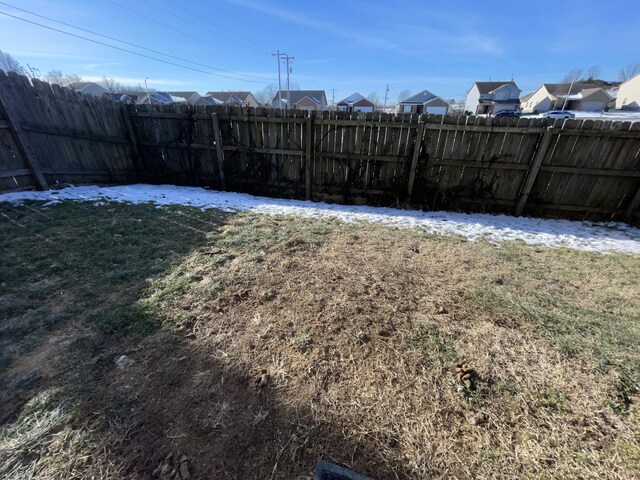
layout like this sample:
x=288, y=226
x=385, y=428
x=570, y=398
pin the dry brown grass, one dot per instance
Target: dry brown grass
x=287, y=340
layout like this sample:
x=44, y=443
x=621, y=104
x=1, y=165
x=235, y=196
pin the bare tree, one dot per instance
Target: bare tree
x=10, y=64
x=456, y=108
x=403, y=95
x=114, y=86
x=375, y=98
x=266, y=95
x=629, y=71
x=111, y=84
x=573, y=75
x=594, y=72
x=59, y=78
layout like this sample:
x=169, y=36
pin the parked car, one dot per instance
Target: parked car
x=508, y=114
x=559, y=114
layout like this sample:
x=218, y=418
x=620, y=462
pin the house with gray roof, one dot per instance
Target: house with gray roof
x=127, y=98
x=424, y=102
x=210, y=101
x=159, y=98
x=89, y=88
x=356, y=103
x=492, y=97
x=311, y=100
x=192, y=98
x=238, y=99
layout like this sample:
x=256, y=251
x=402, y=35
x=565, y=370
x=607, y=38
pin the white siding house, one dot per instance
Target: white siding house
x=89, y=88
x=492, y=97
x=629, y=94
x=583, y=96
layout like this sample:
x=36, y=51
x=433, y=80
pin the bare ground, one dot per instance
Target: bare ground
x=260, y=344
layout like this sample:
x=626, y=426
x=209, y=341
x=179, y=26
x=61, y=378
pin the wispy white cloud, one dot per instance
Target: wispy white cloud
x=413, y=40
x=424, y=39
x=315, y=23
x=99, y=66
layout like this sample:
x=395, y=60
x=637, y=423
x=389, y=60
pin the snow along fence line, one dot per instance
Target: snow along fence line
x=539, y=167
x=586, y=236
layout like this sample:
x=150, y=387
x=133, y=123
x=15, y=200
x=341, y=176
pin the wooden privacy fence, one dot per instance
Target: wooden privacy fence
x=565, y=168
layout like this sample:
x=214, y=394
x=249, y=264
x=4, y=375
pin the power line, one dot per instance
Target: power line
x=133, y=44
x=166, y=25
x=126, y=50
x=238, y=39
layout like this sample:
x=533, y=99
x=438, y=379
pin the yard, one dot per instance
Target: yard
x=136, y=340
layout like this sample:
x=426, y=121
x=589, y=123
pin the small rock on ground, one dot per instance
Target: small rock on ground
x=123, y=362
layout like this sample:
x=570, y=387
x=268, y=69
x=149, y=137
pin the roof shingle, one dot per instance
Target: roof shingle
x=487, y=87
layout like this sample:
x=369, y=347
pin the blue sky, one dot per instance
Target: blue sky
x=442, y=46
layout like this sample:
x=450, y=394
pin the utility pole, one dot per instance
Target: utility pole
x=333, y=96
x=567, y=97
x=287, y=58
x=278, y=55
x=386, y=94
x=147, y=89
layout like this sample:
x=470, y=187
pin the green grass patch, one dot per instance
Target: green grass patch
x=435, y=347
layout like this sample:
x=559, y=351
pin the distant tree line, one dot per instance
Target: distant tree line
x=593, y=74
x=10, y=64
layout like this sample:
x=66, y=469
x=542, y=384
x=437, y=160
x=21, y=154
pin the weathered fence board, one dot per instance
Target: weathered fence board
x=569, y=168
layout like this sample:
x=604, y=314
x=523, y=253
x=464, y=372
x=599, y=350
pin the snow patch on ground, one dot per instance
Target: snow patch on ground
x=586, y=236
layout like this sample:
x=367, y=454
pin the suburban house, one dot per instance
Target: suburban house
x=629, y=94
x=424, y=102
x=492, y=97
x=159, y=98
x=585, y=96
x=209, y=101
x=311, y=100
x=89, y=88
x=241, y=99
x=192, y=98
x=121, y=97
x=356, y=103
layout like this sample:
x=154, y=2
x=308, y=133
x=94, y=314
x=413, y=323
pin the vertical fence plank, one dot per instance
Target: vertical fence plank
x=414, y=159
x=533, y=171
x=219, y=150
x=137, y=160
x=308, y=148
x=20, y=138
x=633, y=207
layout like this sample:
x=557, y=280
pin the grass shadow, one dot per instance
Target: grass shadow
x=101, y=380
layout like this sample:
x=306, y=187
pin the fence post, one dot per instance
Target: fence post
x=633, y=207
x=137, y=159
x=533, y=171
x=414, y=159
x=308, y=155
x=217, y=137
x=23, y=145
